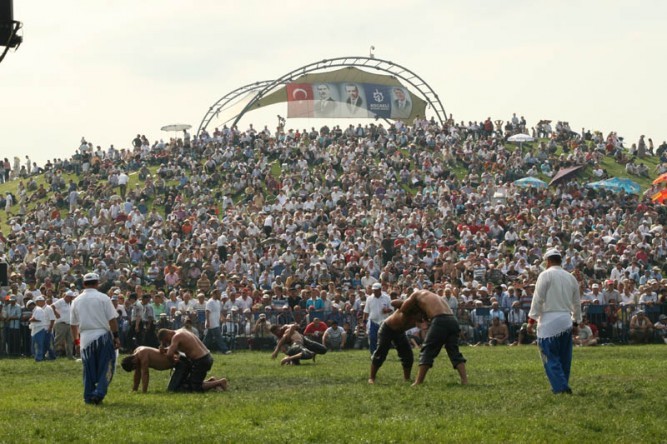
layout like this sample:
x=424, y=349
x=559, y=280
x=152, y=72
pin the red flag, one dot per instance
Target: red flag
x=299, y=100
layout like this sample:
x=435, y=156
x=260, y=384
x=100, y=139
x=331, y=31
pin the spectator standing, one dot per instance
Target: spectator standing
x=62, y=327
x=123, y=180
x=377, y=309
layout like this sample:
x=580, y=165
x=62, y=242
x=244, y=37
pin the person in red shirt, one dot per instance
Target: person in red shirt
x=315, y=330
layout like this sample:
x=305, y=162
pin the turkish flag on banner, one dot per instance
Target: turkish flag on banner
x=299, y=100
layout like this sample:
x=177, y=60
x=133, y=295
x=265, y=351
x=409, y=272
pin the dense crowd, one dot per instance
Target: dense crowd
x=292, y=226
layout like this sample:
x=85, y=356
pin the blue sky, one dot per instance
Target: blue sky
x=108, y=70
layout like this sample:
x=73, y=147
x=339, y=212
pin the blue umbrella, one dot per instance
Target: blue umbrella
x=617, y=184
x=530, y=182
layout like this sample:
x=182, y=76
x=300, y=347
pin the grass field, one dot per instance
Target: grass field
x=618, y=397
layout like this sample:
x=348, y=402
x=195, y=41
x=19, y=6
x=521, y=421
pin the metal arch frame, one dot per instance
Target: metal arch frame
x=267, y=86
x=368, y=62
x=227, y=99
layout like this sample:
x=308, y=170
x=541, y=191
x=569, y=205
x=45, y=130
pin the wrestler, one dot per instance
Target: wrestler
x=296, y=345
x=141, y=360
x=392, y=331
x=193, y=348
x=443, y=330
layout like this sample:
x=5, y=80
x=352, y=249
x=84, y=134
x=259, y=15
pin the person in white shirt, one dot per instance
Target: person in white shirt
x=123, y=179
x=62, y=329
x=556, y=307
x=93, y=321
x=50, y=350
x=39, y=329
x=377, y=309
x=213, y=338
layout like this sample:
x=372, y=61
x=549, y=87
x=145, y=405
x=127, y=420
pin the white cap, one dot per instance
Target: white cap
x=377, y=286
x=39, y=298
x=91, y=277
x=551, y=253
x=595, y=286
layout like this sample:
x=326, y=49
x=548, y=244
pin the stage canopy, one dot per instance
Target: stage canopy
x=346, y=93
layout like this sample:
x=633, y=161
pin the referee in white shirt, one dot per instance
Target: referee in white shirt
x=556, y=307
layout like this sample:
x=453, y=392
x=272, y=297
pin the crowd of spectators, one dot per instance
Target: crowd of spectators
x=288, y=226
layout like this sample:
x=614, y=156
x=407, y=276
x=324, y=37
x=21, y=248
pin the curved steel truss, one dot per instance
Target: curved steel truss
x=268, y=86
x=215, y=109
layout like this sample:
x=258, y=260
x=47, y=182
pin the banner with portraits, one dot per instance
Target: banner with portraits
x=345, y=99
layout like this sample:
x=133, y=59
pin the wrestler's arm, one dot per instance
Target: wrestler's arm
x=145, y=375
x=397, y=303
x=410, y=304
x=172, y=351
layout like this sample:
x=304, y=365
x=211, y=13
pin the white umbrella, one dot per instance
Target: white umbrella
x=520, y=138
x=176, y=127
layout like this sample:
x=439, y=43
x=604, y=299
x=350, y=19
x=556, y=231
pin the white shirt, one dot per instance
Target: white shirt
x=186, y=307
x=92, y=311
x=42, y=321
x=63, y=310
x=213, y=308
x=556, y=302
x=374, y=307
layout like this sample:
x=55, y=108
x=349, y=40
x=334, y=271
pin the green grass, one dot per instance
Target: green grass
x=619, y=397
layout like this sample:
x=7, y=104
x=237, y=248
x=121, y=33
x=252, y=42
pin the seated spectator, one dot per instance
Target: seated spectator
x=526, y=336
x=262, y=338
x=641, y=328
x=585, y=335
x=498, y=332
x=334, y=337
x=315, y=330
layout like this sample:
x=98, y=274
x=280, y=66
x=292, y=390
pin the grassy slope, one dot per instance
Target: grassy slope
x=617, y=394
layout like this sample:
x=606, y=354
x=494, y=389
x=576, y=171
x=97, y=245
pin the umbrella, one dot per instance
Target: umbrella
x=660, y=179
x=621, y=183
x=520, y=138
x=176, y=127
x=565, y=173
x=530, y=182
x=660, y=196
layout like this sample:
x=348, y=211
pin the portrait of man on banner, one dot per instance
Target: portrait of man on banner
x=355, y=104
x=326, y=100
x=401, y=106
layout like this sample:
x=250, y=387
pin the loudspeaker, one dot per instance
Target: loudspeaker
x=4, y=279
x=6, y=11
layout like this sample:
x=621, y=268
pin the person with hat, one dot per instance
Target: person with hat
x=556, y=308
x=62, y=327
x=40, y=327
x=94, y=324
x=377, y=309
x=11, y=312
